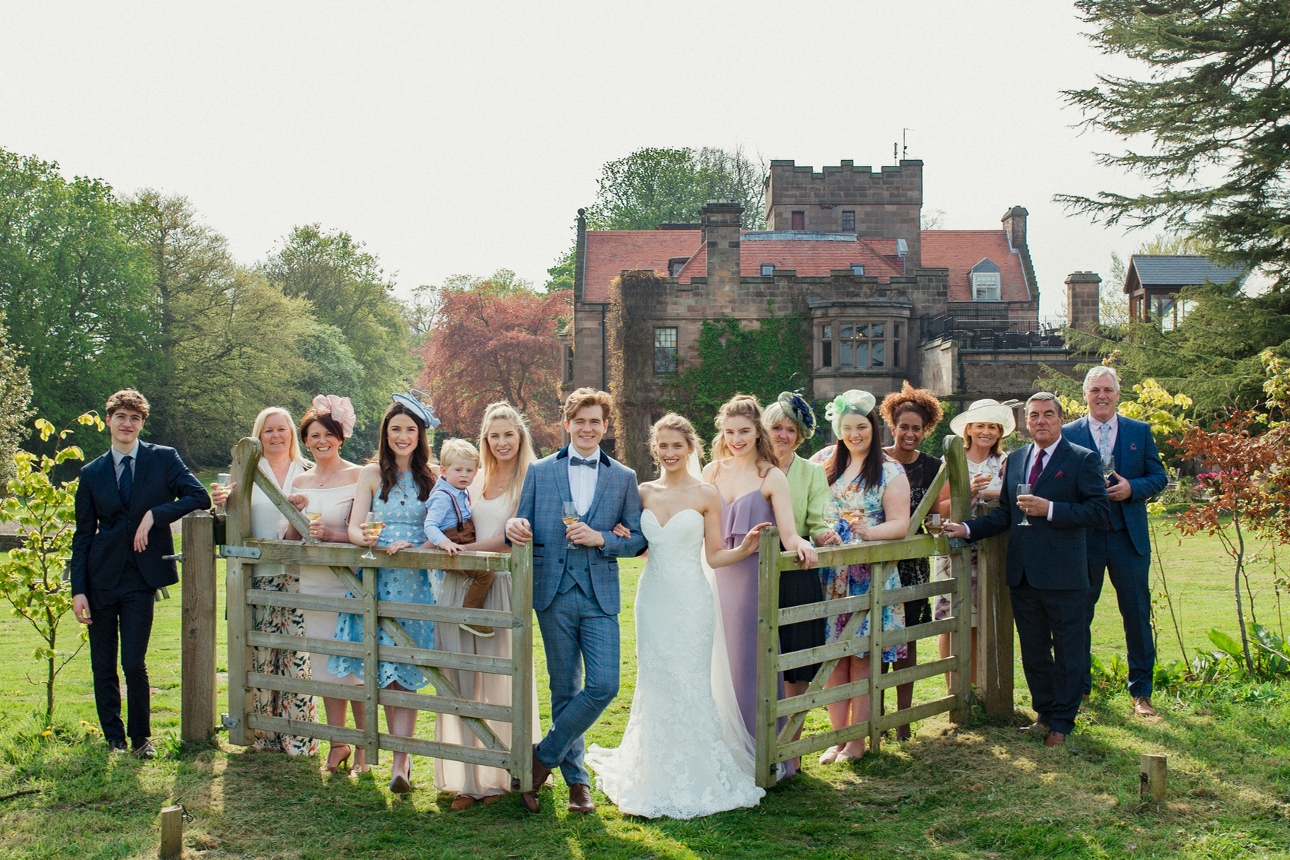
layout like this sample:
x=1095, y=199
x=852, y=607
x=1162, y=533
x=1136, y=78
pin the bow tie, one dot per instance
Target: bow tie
x=578, y=461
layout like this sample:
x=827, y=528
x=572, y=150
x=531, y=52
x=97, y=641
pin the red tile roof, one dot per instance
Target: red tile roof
x=960, y=250
x=609, y=252
x=810, y=258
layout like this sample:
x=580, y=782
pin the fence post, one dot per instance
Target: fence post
x=522, y=665
x=878, y=572
x=198, y=699
x=246, y=458
x=371, y=670
x=994, y=627
x=961, y=566
x=767, y=651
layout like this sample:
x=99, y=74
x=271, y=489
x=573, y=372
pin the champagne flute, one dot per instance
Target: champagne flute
x=375, y=522
x=935, y=526
x=223, y=480
x=1023, y=490
x=569, y=517
x=1108, y=465
x=313, y=513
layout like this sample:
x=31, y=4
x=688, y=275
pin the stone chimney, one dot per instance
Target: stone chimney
x=1083, y=299
x=720, y=220
x=1014, y=224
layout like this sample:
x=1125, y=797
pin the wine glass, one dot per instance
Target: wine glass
x=222, y=480
x=375, y=522
x=1023, y=490
x=1108, y=465
x=569, y=517
x=935, y=526
x=313, y=513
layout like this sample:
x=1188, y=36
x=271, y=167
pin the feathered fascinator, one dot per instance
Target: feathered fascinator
x=853, y=402
x=796, y=408
x=340, y=410
x=418, y=403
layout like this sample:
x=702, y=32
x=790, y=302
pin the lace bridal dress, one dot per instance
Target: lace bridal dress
x=685, y=752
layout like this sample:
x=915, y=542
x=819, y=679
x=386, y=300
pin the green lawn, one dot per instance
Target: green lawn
x=966, y=792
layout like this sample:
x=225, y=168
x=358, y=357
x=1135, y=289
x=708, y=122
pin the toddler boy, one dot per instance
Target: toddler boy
x=448, y=510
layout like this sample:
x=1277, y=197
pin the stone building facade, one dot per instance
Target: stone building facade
x=956, y=311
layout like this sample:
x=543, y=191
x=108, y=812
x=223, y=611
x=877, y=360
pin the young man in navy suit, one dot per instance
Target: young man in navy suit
x=1124, y=546
x=125, y=503
x=1047, y=565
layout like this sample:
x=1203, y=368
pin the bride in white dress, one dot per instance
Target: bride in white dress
x=686, y=752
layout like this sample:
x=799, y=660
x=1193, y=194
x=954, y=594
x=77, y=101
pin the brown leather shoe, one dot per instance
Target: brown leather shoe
x=1035, y=730
x=1054, y=739
x=540, y=774
x=580, y=799
x=1142, y=707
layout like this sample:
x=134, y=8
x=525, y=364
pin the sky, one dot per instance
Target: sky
x=461, y=138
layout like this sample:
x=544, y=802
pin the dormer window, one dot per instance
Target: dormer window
x=857, y=270
x=675, y=265
x=767, y=270
x=987, y=282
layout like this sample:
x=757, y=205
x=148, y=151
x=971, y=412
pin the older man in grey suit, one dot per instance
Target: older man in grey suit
x=575, y=583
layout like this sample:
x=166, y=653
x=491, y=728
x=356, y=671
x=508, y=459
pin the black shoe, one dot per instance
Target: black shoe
x=117, y=746
x=145, y=751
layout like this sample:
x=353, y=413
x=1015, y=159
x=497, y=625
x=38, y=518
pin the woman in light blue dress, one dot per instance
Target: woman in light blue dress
x=396, y=486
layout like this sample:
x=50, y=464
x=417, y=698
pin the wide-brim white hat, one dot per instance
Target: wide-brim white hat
x=987, y=411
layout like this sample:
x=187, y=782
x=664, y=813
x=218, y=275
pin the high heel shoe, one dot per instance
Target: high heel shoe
x=401, y=784
x=331, y=766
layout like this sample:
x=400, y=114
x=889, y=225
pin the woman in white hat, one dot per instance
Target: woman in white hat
x=983, y=427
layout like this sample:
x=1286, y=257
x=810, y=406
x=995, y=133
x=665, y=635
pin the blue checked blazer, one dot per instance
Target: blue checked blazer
x=617, y=500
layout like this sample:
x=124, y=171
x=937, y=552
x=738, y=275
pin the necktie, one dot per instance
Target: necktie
x=1037, y=469
x=1104, y=440
x=578, y=461
x=125, y=484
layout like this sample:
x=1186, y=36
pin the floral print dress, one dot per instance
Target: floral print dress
x=854, y=579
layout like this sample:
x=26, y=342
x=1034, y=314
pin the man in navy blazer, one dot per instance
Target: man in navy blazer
x=125, y=503
x=1123, y=546
x=1047, y=561
x=575, y=583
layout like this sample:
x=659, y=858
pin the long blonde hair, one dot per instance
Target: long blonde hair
x=488, y=462
x=294, y=446
x=742, y=406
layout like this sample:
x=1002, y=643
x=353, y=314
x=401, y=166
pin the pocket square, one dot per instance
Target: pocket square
x=1060, y=475
x=1133, y=447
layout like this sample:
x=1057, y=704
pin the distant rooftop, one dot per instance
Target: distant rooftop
x=1180, y=270
x=795, y=235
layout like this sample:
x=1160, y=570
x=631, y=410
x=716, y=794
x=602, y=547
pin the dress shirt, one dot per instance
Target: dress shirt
x=440, y=513
x=1030, y=461
x=582, y=480
x=118, y=458
x=1095, y=430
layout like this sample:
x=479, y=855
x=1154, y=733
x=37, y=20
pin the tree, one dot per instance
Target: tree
x=347, y=288
x=494, y=339
x=75, y=289
x=224, y=342
x=1212, y=110
x=15, y=394
x=31, y=580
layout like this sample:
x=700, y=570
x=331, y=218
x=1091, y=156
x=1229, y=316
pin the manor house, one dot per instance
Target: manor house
x=956, y=311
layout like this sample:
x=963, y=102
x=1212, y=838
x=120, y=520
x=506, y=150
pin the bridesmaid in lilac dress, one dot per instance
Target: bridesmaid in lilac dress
x=753, y=491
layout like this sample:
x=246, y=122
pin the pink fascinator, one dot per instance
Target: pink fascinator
x=339, y=408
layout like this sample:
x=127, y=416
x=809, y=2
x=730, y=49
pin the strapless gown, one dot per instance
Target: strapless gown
x=680, y=756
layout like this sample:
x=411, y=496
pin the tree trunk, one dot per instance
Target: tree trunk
x=1240, y=610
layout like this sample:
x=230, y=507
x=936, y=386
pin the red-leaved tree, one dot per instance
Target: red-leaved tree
x=494, y=339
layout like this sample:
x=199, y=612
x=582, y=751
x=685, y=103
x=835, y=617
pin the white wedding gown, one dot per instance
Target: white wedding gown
x=685, y=752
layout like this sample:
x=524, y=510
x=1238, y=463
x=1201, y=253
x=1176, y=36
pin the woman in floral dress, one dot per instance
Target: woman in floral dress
x=868, y=500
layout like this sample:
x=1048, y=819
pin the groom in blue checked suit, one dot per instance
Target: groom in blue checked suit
x=1123, y=546
x=575, y=590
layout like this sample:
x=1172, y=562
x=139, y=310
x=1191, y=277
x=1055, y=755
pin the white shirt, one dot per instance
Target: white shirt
x=118, y=458
x=1048, y=458
x=582, y=480
x=1095, y=430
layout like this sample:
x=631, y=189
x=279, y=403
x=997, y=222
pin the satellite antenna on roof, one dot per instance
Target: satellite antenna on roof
x=904, y=145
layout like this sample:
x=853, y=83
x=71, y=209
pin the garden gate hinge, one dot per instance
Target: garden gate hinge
x=226, y=551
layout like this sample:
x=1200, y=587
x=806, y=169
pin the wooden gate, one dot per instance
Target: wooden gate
x=241, y=553
x=775, y=744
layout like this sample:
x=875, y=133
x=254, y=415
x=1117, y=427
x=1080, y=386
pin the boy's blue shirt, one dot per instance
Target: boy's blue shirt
x=440, y=513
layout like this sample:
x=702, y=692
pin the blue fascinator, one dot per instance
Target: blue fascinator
x=796, y=408
x=418, y=403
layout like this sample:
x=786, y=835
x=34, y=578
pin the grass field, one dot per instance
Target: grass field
x=967, y=792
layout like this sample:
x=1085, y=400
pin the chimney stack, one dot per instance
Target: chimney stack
x=720, y=220
x=1014, y=224
x=1083, y=300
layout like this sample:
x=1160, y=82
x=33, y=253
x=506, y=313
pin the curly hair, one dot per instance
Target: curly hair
x=910, y=399
x=127, y=398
